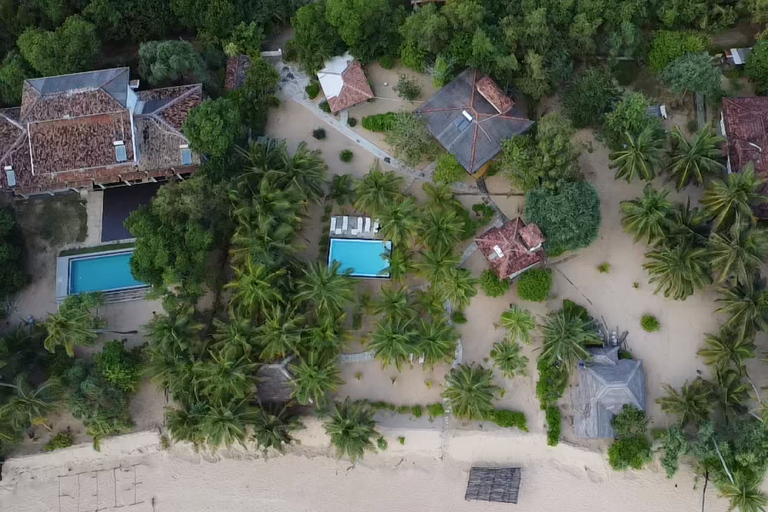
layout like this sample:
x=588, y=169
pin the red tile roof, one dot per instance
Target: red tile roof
x=494, y=95
x=237, y=69
x=355, y=89
x=519, y=245
x=746, y=129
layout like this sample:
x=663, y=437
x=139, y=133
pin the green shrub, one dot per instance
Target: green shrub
x=625, y=354
x=458, y=317
x=630, y=422
x=591, y=96
x=756, y=67
x=669, y=45
x=403, y=409
x=318, y=133
x=416, y=411
x=408, y=88
x=604, y=267
x=492, y=285
x=346, y=155
x=313, y=90
x=554, y=424
x=507, y=419
x=379, y=122
x=435, y=410
x=387, y=62
x=401, y=440
x=552, y=382
x=63, y=439
x=325, y=107
x=534, y=285
x=633, y=453
x=120, y=366
x=352, y=122
x=649, y=323
x=448, y=169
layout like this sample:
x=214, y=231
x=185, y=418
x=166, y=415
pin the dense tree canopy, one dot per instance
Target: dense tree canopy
x=73, y=47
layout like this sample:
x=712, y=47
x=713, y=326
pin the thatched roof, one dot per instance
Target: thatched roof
x=273, y=383
x=493, y=484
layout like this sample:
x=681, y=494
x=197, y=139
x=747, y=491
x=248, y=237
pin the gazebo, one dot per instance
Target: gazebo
x=500, y=485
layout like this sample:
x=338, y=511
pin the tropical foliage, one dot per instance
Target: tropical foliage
x=470, y=392
x=694, y=160
x=352, y=430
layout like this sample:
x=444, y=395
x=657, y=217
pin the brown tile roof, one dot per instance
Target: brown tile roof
x=520, y=247
x=237, y=69
x=493, y=94
x=746, y=129
x=355, y=89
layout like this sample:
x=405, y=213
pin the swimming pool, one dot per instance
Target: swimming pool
x=365, y=257
x=101, y=272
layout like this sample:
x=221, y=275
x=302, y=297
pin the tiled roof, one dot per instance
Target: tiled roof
x=354, y=90
x=746, y=128
x=237, y=69
x=519, y=245
x=64, y=133
x=467, y=124
x=494, y=95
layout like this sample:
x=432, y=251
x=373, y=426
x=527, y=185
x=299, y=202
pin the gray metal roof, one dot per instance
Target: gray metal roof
x=605, y=385
x=113, y=81
x=493, y=484
x=477, y=142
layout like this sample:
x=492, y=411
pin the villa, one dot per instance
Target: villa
x=94, y=130
x=470, y=117
x=744, y=124
x=512, y=248
x=344, y=83
x=606, y=384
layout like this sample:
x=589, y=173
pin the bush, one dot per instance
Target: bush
x=554, y=424
x=569, y=218
x=410, y=139
x=435, y=410
x=508, y=419
x=534, y=285
x=448, y=169
x=416, y=411
x=63, y=439
x=318, y=133
x=756, y=67
x=346, y=155
x=387, y=62
x=668, y=46
x=458, y=317
x=119, y=366
x=313, y=90
x=552, y=382
x=325, y=107
x=12, y=277
x=492, y=285
x=592, y=94
x=649, y=323
x=379, y=122
x=351, y=122
x=401, y=440
x=630, y=422
x=408, y=88
x=604, y=267
x=630, y=115
x=632, y=453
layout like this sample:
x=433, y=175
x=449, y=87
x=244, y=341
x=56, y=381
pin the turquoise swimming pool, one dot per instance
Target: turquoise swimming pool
x=365, y=257
x=101, y=273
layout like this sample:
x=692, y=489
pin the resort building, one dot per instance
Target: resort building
x=93, y=130
x=344, y=83
x=744, y=124
x=470, y=117
x=513, y=248
x=606, y=384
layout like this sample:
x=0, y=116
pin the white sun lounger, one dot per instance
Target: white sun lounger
x=344, y=224
x=333, y=224
x=367, y=228
x=422, y=358
x=358, y=227
x=376, y=226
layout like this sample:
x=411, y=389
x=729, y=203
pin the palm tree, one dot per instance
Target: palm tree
x=725, y=349
x=735, y=196
x=693, y=404
x=399, y=220
x=566, y=335
x=341, y=189
x=640, y=156
x=458, y=287
x=730, y=392
x=439, y=195
x=233, y=339
x=176, y=332
x=694, y=159
x=519, y=323
x=352, y=429
x=74, y=323
x=280, y=333
x=327, y=289
x=647, y=216
x=221, y=380
x=394, y=304
x=436, y=263
x=314, y=377
x=272, y=427
x=185, y=423
x=327, y=337
x=440, y=228
x=740, y=253
x=744, y=493
x=688, y=225
x=226, y=424
x=400, y=263
x=394, y=340
x=508, y=359
x=747, y=307
x=377, y=190
x=678, y=271
x=29, y=406
x=436, y=341
x=470, y=392
x=305, y=171
x=255, y=288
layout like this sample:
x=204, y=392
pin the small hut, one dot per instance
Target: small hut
x=501, y=485
x=274, y=383
x=513, y=248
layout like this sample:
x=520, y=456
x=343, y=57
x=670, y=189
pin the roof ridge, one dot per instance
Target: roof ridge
x=29, y=80
x=173, y=101
x=74, y=118
x=173, y=131
x=13, y=122
x=123, y=70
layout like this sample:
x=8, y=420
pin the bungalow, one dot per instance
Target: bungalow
x=94, y=130
x=513, y=248
x=344, y=83
x=470, y=117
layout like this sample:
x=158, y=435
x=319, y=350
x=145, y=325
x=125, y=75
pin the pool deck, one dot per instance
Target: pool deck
x=62, y=277
x=354, y=228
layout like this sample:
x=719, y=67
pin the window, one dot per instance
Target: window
x=10, y=175
x=121, y=154
x=186, y=154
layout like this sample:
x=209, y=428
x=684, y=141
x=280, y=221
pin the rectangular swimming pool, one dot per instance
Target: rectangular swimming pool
x=366, y=258
x=101, y=273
